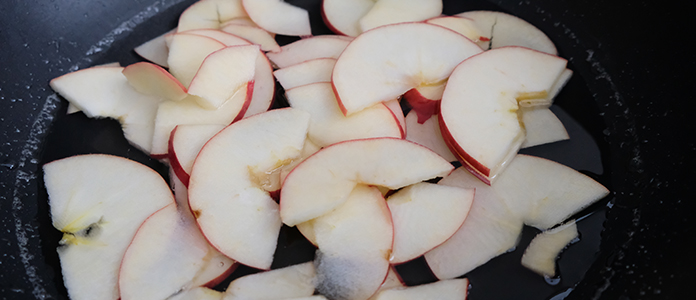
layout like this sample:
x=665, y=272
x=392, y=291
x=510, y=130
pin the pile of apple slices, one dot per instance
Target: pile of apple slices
x=343, y=163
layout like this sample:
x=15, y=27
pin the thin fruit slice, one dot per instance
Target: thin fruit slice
x=198, y=293
x=452, y=289
x=104, y=92
x=542, y=127
x=329, y=126
x=187, y=111
x=228, y=188
x=398, y=113
x=489, y=230
x=210, y=14
x=253, y=34
x=354, y=243
x=368, y=72
x=165, y=257
x=479, y=111
x=425, y=100
x=425, y=215
x=508, y=30
x=186, y=54
x=393, y=280
x=290, y=282
x=321, y=46
x=223, y=73
x=155, y=50
x=223, y=37
x=151, y=79
x=343, y=17
x=465, y=26
x=542, y=252
x=279, y=17
x=427, y=134
x=311, y=71
x=97, y=229
x=323, y=181
x=386, y=12
x=185, y=142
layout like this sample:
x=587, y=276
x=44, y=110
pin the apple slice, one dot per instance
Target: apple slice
x=198, y=293
x=540, y=256
x=427, y=134
x=479, y=111
x=545, y=193
x=354, y=243
x=393, y=280
x=254, y=35
x=364, y=76
x=228, y=190
x=489, y=230
x=210, y=14
x=425, y=215
x=465, y=26
x=187, y=111
x=185, y=142
x=425, y=100
x=151, y=79
x=386, y=12
x=104, y=92
x=166, y=256
x=227, y=39
x=279, y=17
x=452, y=289
x=311, y=71
x=186, y=54
x=223, y=73
x=508, y=30
x=343, y=17
x=98, y=201
x=324, y=180
x=329, y=126
x=542, y=127
x=156, y=50
x=321, y=46
x=290, y=282
x=239, y=21
x=308, y=149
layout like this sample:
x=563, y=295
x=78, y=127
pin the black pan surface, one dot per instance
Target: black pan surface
x=629, y=97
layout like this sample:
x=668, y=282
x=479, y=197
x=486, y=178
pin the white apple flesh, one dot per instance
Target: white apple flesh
x=479, y=111
x=186, y=54
x=386, y=12
x=364, y=76
x=98, y=202
x=311, y=71
x=321, y=46
x=329, y=126
x=452, y=289
x=156, y=49
x=228, y=187
x=424, y=216
x=343, y=17
x=223, y=73
x=279, y=17
x=324, y=180
x=427, y=134
x=289, y=282
x=151, y=79
x=253, y=34
x=210, y=14
x=354, y=242
x=198, y=293
x=104, y=92
x=542, y=252
x=185, y=142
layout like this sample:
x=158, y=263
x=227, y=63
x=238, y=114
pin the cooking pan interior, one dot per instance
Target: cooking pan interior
x=591, y=106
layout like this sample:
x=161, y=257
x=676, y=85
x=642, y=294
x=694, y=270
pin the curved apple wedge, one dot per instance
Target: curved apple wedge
x=320, y=46
x=425, y=215
x=186, y=54
x=185, y=142
x=279, y=17
x=229, y=183
x=199, y=293
x=210, y=14
x=329, y=126
x=452, y=289
x=166, y=256
x=540, y=256
x=427, y=134
x=386, y=12
x=324, y=180
x=480, y=108
x=290, y=282
x=223, y=73
x=311, y=71
x=354, y=242
x=151, y=79
x=368, y=72
x=98, y=202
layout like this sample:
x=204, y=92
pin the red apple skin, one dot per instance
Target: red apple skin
x=477, y=169
x=328, y=24
x=338, y=99
x=424, y=107
x=247, y=101
x=174, y=161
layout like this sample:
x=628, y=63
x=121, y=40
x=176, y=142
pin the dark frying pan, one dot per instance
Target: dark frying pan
x=628, y=97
